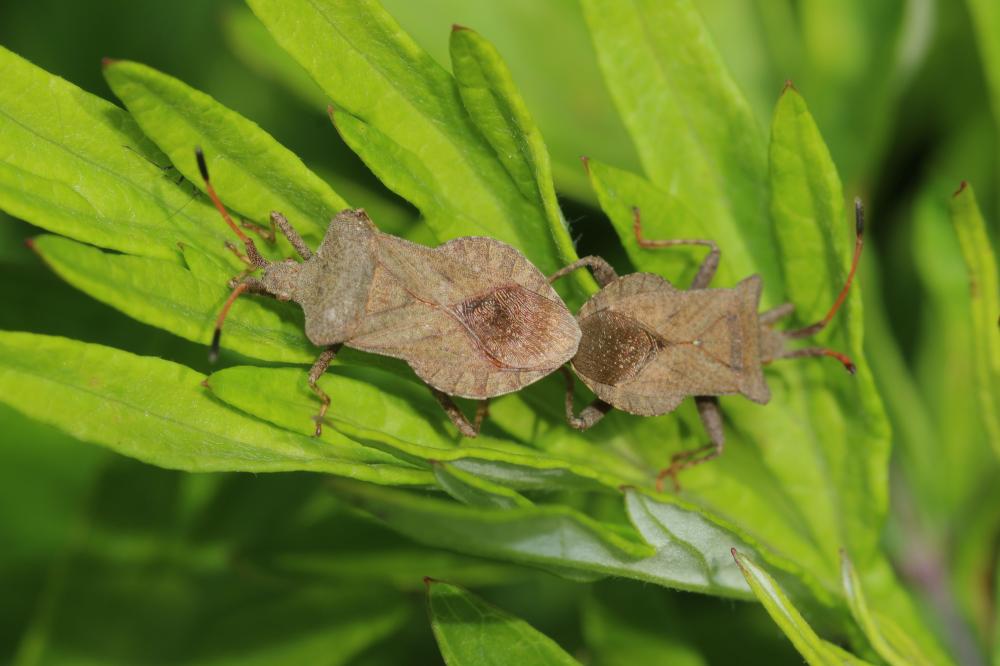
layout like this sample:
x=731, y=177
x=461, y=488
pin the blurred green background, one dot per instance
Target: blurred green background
x=100, y=555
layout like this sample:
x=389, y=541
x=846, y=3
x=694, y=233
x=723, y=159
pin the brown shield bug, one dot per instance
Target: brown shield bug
x=472, y=317
x=647, y=345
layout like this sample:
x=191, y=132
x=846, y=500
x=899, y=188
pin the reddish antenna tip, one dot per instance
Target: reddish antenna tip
x=961, y=188
x=107, y=62
x=851, y=368
x=859, y=217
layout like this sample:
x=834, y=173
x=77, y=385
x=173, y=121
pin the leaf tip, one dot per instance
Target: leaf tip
x=789, y=85
x=428, y=581
x=107, y=62
x=30, y=244
x=586, y=163
x=961, y=188
x=455, y=27
x=205, y=384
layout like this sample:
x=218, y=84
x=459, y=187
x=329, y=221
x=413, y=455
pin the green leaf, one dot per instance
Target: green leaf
x=495, y=106
x=250, y=170
x=984, y=293
x=79, y=166
x=813, y=649
x=377, y=74
x=163, y=294
x=695, y=133
x=891, y=643
x=470, y=631
x=158, y=412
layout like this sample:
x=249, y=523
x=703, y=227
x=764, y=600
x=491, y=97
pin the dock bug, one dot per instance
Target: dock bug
x=472, y=317
x=647, y=345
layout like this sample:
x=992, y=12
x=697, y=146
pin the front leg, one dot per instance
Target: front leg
x=711, y=418
x=458, y=418
x=315, y=372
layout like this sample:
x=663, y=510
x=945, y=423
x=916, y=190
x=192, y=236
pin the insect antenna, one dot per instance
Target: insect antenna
x=254, y=257
x=213, y=354
x=812, y=329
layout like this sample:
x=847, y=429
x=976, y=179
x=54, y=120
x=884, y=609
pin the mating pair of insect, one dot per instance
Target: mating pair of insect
x=475, y=319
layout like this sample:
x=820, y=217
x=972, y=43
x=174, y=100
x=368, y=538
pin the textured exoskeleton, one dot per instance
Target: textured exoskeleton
x=647, y=345
x=472, y=317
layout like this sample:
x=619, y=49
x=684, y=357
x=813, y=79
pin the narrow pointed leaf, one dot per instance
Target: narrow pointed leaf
x=813, y=649
x=158, y=412
x=495, y=106
x=251, y=171
x=471, y=631
x=984, y=293
x=79, y=166
x=694, y=131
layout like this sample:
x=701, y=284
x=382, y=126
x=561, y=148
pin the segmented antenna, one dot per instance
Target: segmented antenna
x=252, y=253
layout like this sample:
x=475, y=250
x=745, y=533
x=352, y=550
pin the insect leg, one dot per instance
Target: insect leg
x=603, y=272
x=711, y=418
x=315, y=372
x=590, y=414
x=457, y=417
x=292, y=235
x=774, y=314
x=708, y=267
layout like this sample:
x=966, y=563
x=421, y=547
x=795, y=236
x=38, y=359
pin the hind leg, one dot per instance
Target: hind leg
x=317, y=370
x=711, y=418
x=590, y=415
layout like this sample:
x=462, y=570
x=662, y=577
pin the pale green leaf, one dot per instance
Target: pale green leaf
x=471, y=631
x=159, y=412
